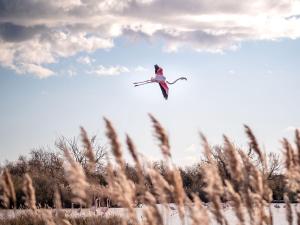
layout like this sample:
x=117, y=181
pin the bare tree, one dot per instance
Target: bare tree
x=77, y=150
x=274, y=165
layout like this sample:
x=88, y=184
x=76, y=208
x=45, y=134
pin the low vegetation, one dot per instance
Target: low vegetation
x=81, y=175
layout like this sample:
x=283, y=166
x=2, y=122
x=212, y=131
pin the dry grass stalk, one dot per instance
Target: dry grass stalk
x=115, y=189
x=297, y=141
x=214, y=185
x=291, y=159
x=149, y=216
x=89, y=152
x=128, y=195
x=257, y=183
x=217, y=210
x=110, y=176
x=256, y=193
x=234, y=163
x=29, y=192
x=237, y=203
x=271, y=221
x=115, y=144
x=57, y=199
x=250, y=206
x=206, y=147
x=76, y=178
x=179, y=193
x=260, y=191
x=214, y=188
x=292, y=166
x=289, y=213
x=63, y=222
x=4, y=197
x=161, y=187
x=10, y=186
x=199, y=213
x=297, y=210
x=298, y=217
x=162, y=136
x=151, y=212
x=138, y=165
x=253, y=143
x=47, y=217
x=121, y=183
x=9, y=194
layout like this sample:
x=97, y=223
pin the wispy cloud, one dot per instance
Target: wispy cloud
x=231, y=72
x=291, y=129
x=71, y=72
x=85, y=60
x=140, y=69
x=38, y=70
x=109, y=71
x=38, y=33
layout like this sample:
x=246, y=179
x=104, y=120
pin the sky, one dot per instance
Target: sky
x=69, y=64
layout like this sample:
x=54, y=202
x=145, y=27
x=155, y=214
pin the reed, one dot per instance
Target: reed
x=245, y=186
x=76, y=178
x=29, y=192
x=9, y=194
x=89, y=152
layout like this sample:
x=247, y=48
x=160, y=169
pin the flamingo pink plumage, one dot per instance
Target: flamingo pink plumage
x=161, y=80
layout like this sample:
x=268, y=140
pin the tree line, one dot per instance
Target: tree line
x=46, y=168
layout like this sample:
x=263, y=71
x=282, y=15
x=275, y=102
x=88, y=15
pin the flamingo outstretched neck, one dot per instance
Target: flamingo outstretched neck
x=180, y=78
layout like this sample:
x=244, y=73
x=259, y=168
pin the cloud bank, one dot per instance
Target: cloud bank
x=35, y=33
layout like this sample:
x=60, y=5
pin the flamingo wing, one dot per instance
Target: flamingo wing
x=164, y=89
x=158, y=70
x=162, y=83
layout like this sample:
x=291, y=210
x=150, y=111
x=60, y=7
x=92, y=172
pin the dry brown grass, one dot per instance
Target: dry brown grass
x=76, y=178
x=29, y=192
x=89, y=152
x=41, y=219
x=246, y=187
x=9, y=196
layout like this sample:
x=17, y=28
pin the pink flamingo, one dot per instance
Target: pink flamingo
x=161, y=80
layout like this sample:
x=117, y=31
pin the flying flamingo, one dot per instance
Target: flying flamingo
x=161, y=80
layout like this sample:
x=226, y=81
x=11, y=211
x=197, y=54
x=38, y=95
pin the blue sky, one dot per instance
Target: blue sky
x=50, y=88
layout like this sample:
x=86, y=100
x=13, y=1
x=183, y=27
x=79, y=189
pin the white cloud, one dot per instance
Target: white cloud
x=140, y=69
x=39, y=71
x=41, y=51
x=71, y=72
x=85, y=60
x=291, y=129
x=232, y=72
x=40, y=32
x=109, y=71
